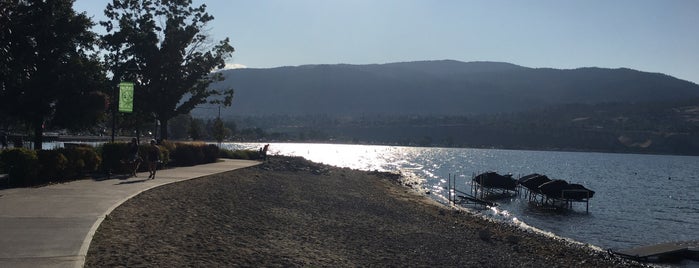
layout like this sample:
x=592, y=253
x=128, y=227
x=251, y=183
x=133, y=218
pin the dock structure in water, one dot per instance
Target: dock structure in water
x=672, y=251
x=461, y=198
x=493, y=185
x=538, y=189
x=544, y=192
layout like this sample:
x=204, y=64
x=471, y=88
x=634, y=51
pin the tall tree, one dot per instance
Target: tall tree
x=46, y=69
x=219, y=131
x=175, y=58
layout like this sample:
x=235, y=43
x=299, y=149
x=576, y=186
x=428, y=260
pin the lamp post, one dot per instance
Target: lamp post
x=114, y=93
x=124, y=101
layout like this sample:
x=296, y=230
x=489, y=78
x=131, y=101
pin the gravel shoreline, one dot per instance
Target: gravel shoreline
x=290, y=212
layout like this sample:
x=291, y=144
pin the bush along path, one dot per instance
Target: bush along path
x=22, y=167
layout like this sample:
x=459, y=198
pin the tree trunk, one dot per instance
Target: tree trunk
x=163, y=129
x=38, y=134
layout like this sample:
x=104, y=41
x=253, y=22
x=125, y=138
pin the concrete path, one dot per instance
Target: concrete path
x=53, y=226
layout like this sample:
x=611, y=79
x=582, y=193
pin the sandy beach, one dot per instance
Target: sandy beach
x=290, y=212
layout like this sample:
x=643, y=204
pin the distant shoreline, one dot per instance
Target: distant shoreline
x=74, y=138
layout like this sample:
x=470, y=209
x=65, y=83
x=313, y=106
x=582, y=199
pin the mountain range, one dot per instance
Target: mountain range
x=444, y=87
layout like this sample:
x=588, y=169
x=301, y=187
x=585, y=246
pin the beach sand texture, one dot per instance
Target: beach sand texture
x=290, y=212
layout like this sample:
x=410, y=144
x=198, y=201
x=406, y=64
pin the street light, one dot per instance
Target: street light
x=126, y=96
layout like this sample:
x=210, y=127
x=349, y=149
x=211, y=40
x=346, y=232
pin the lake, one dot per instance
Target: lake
x=639, y=199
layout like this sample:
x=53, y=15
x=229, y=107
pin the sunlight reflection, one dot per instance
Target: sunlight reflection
x=429, y=168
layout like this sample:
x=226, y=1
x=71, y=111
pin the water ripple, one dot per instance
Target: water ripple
x=639, y=199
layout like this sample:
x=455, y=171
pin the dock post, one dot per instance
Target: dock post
x=451, y=202
x=587, y=205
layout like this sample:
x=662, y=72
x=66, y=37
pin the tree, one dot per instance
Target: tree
x=219, y=130
x=195, y=129
x=47, y=72
x=165, y=40
x=179, y=126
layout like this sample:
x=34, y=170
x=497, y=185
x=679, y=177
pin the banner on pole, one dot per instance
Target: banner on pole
x=126, y=97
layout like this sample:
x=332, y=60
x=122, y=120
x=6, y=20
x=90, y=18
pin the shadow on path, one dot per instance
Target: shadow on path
x=131, y=182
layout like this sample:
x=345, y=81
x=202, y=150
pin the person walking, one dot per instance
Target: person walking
x=135, y=159
x=153, y=158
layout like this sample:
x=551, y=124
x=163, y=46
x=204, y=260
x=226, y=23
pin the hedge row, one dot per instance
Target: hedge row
x=190, y=154
x=240, y=154
x=116, y=158
x=28, y=167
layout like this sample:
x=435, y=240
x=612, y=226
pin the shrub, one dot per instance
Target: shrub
x=164, y=155
x=143, y=152
x=169, y=145
x=82, y=160
x=114, y=154
x=52, y=165
x=240, y=154
x=211, y=153
x=20, y=165
x=189, y=154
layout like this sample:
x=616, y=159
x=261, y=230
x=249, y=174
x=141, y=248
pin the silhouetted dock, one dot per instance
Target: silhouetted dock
x=557, y=194
x=457, y=197
x=662, y=252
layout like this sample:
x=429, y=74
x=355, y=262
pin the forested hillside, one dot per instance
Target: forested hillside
x=438, y=88
x=657, y=127
x=476, y=104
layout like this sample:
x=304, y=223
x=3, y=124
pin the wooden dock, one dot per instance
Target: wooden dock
x=457, y=197
x=541, y=200
x=663, y=252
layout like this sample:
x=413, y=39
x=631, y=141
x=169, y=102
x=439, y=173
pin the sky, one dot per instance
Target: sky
x=660, y=36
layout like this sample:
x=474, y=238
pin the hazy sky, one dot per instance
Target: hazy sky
x=654, y=36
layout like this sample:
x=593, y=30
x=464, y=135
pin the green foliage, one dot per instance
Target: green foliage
x=21, y=166
x=117, y=160
x=219, y=130
x=196, y=129
x=240, y=154
x=189, y=154
x=168, y=145
x=144, y=148
x=179, y=126
x=81, y=161
x=114, y=156
x=45, y=68
x=27, y=167
x=211, y=153
x=81, y=111
x=166, y=41
x=164, y=155
x=52, y=165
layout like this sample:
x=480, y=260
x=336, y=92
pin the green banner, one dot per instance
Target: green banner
x=126, y=97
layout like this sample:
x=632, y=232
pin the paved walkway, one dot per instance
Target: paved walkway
x=53, y=226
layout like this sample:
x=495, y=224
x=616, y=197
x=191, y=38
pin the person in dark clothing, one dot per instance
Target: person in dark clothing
x=153, y=158
x=263, y=152
x=3, y=140
x=135, y=159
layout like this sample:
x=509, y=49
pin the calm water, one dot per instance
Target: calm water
x=639, y=199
